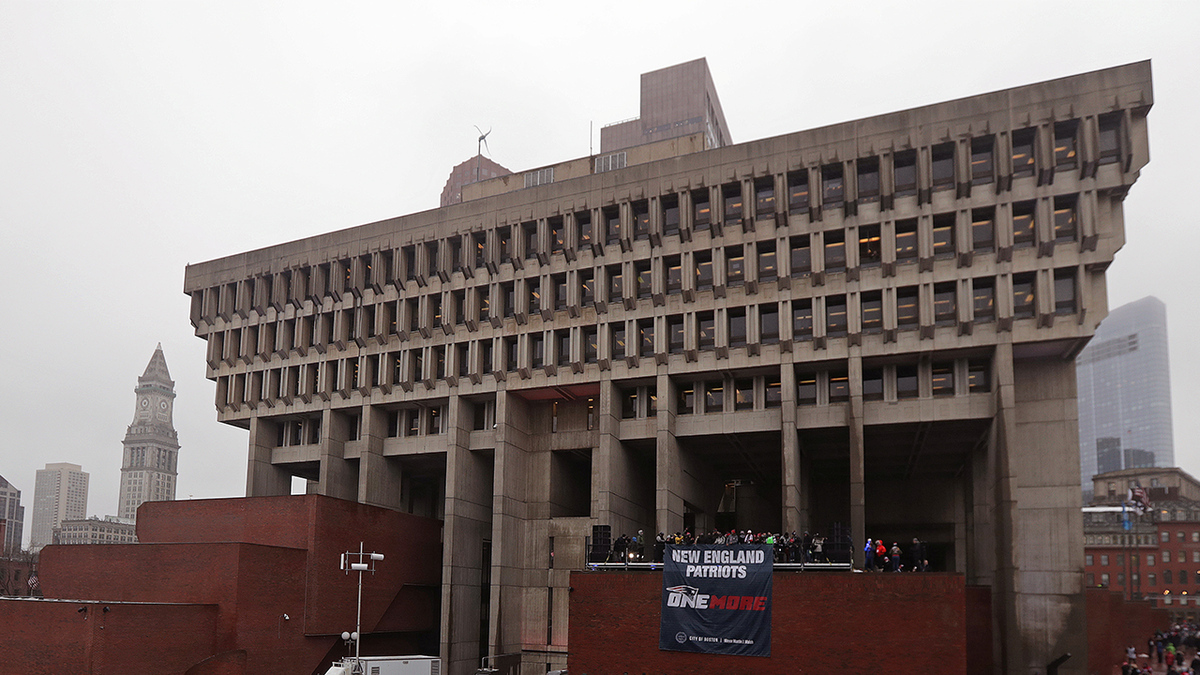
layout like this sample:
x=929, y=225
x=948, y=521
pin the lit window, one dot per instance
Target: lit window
x=768, y=269
x=701, y=209
x=1023, y=163
x=983, y=230
x=1023, y=224
x=801, y=256
x=704, y=271
x=945, y=307
x=798, y=191
x=982, y=169
x=735, y=266
x=732, y=196
x=906, y=240
x=943, y=379
x=835, y=251
x=835, y=316
x=870, y=251
x=1064, y=219
x=907, y=307
x=839, y=387
x=943, y=235
x=1023, y=301
x=872, y=311
x=833, y=189
x=984, y=292
x=1064, y=144
x=764, y=196
x=802, y=319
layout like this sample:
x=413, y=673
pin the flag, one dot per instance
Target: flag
x=34, y=584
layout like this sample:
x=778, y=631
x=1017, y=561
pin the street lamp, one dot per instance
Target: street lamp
x=358, y=561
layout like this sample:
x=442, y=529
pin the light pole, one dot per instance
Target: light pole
x=358, y=561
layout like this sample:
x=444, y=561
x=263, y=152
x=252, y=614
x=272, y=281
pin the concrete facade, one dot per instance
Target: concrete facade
x=675, y=101
x=866, y=328
x=151, y=447
x=110, y=530
x=1124, y=380
x=478, y=168
x=59, y=493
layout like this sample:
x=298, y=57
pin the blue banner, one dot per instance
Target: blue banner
x=717, y=599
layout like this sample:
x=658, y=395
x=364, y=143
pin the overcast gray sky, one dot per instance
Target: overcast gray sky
x=136, y=137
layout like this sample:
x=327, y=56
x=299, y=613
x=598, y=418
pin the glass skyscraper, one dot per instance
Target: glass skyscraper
x=1125, y=392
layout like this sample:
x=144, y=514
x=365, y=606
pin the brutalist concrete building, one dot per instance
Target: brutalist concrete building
x=868, y=328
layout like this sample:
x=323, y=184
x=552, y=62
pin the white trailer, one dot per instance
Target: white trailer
x=387, y=665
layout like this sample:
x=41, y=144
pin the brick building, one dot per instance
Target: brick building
x=869, y=327
x=94, y=530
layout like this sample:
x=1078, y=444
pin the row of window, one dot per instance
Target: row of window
x=1151, y=580
x=1151, y=558
x=902, y=308
x=763, y=261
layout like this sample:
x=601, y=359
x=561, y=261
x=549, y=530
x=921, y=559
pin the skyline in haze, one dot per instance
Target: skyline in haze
x=141, y=136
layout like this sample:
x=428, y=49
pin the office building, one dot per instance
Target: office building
x=12, y=518
x=1125, y=392
x=94, y=530
x=60, y=493
x=676, y=101
x=868, y=328
x=151, y=452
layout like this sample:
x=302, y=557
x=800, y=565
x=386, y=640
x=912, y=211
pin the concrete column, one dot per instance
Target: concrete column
x=668, y=500
x=338, y=477
x=264, y=479
x=613, y=501
x=510, y=506
x=795, y=515
x=468, y=522
x=378, y=476
x=858, y=493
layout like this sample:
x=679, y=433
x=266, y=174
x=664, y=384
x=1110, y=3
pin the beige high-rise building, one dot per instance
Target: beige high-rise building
x=60, y=492
x=151, y=447
x=12, y=516
x=863, y=329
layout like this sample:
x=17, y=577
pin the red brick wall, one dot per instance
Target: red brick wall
x=980, y=656
x=821, y=623
x=1114, y=623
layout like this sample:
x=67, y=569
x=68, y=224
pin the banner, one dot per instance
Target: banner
x=717, y=599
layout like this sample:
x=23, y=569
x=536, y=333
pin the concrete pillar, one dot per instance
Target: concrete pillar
x=338, y=477
x=264, y=479
x=378, y=476
x=510, y=504
x=613, y=500
x=468, y=522
x=795, y=516
x=858, y=493
x=668, y=498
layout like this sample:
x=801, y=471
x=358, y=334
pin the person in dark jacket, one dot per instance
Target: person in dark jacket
x=917, y=554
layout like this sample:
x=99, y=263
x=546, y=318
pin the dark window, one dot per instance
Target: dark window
x=798, y=191
x=687, y=398
x=943, y=166
x=618, y=341
x=982, y=160
x=835, y=251
x=504, y=245
x=587, y=287
x=674, y=271
x=583, y=226
x=768, y=323
x=768, y=268
x=704, y=271
x=978, y=376
x=591, y=344
x=560, y=291
x=839, y=386
x=1023, y=163
x=984, y=291
x=907, y=384
x=802, y=319
x=706, y=330
x=1064, y=219
x=1023, y=224
x=906, y=240
x=905, y=177
x=529, y=233
x=801, y=256
x=983, y=229
x=872, y=384
x=735, y=266
x=872, y=311
x=737, y=328
x=806, y=388
x=646, y=337
x=743, y=395
x=485, y=353
x=835, y=315
x=629, y=403
x=460, y=307
x=455, y=254
x=510, y=353
x=537, y=350
x=562, y=347
x=833, y=188
x=701, y=209
x=870, y=246
x=558, y=235
x=675, y=333
x=670, y=214
x=1023, y=301
x=479, y=248
x=1110, y=138
x=943, y=235
x=641, y=277
x=732, y=196
x=773, y=392
x=641, y=220
x=409, y=256
x=1064, y=291
x=612, y=225
x=868, y=179
x=1065, y=156
x=908, y=313
x=535, y=296
x=943, y=379
x=764, y=196
x=945, y=305
x=508, y=290
x=714, y=396
x=614, y=283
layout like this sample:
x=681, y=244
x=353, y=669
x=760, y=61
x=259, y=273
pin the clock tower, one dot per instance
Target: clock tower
x=151, y=445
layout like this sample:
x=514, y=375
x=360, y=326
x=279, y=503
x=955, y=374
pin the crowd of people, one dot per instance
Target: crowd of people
x=789, y=548
x=1174, y=649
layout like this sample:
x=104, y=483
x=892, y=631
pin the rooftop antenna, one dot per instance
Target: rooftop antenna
x=479, y=145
